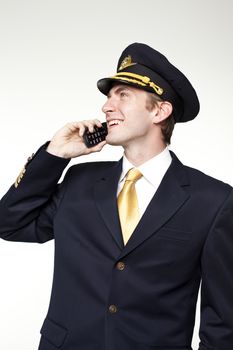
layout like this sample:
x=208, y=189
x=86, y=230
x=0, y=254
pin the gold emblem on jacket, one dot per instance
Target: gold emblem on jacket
x=20, y=176
x=22, y=172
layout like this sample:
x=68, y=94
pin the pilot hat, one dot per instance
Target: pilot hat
x=143, y=67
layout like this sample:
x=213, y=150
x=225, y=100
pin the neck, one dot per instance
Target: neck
x=138, y=156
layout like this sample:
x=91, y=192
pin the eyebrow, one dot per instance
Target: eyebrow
x=118, y=90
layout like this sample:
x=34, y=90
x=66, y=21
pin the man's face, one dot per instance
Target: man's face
x=128, y=119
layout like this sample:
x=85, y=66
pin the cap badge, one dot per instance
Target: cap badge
x=127, y=61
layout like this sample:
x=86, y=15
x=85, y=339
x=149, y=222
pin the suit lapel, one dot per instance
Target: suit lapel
x=105, y=197
x=170, y=196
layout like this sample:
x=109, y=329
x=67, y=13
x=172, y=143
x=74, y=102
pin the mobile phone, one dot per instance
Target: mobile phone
x=91, y=139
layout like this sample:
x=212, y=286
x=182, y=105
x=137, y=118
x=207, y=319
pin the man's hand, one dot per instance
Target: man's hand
x=68, y=141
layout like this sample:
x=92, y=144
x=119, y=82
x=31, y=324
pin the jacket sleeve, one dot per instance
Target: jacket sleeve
x=28, y=208
x=216, y=327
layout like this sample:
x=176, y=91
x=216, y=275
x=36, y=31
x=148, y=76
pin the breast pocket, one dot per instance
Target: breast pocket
x=174, y=234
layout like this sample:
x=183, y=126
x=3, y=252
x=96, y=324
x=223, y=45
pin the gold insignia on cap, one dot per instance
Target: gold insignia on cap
x=127, y=61
x=140, y=80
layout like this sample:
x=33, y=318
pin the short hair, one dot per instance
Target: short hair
x=168, y=124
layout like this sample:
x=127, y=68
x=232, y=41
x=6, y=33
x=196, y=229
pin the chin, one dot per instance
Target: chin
x=114, y=141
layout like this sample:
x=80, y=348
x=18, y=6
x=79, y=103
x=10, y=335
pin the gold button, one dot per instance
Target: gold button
x=112, y=309
x=120, y=265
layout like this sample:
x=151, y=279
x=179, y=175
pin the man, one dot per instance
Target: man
x=130, y=250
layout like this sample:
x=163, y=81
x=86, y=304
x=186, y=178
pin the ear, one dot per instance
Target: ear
x=162, y=112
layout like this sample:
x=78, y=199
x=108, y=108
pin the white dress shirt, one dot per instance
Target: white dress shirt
x=153, y=172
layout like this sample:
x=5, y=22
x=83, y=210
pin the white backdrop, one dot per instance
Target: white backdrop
x=52, y=52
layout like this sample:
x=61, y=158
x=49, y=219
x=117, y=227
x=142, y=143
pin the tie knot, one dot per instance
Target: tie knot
x=133, y=175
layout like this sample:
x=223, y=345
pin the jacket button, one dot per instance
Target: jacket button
x=112, y=309
x=120, y=265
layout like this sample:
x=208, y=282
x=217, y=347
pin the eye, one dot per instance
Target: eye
x=123, y=94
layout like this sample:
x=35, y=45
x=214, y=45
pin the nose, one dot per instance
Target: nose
x=108, y=106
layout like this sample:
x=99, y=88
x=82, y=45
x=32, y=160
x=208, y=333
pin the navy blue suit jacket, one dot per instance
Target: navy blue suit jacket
x=142, y=296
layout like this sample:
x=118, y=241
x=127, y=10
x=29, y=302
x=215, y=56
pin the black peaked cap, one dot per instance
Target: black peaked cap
x=143, y=67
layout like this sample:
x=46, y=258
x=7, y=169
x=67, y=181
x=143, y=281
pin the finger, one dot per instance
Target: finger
x=80, y=127
x=86, y=125
x=93, y=124
x=97, y=123
x=74, y=126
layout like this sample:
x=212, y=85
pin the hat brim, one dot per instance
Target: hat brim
x=188, y=96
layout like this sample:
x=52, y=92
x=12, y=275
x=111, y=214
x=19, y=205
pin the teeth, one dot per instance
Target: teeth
x=114, y=122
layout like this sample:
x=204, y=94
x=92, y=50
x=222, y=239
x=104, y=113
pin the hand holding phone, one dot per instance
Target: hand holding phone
x=74, y=139
x=91, y=139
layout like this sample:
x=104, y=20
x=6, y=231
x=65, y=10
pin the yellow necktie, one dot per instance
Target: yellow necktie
x=128, y=204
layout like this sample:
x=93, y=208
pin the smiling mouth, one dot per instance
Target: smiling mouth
x=114, y=122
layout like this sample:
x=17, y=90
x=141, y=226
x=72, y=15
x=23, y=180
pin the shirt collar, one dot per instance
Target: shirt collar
x=153, y=169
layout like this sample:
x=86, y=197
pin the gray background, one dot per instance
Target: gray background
x=51, y=55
